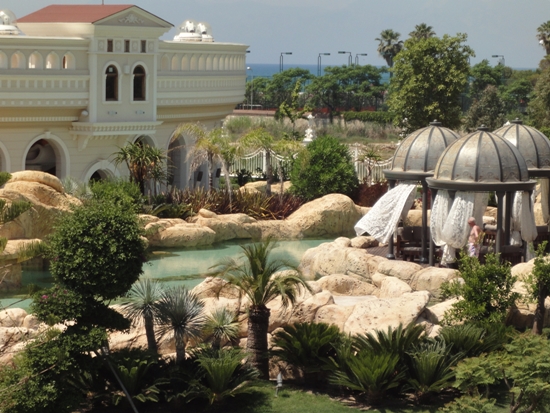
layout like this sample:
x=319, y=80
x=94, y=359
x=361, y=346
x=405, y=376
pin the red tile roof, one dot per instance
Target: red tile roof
x=61, y=13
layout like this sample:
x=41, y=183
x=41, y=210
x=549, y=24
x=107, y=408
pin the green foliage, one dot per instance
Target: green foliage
x=117, y=191
x=539, y=106
x=430, y=369
x=543, y=35
x=221, y=326
x=97, y=251
x=538, y=286
x=292, y=110
x=325, y=167
x=369, y=374
x=489, y=110
x=422, y=31
x=389, y=46
x=369, y=116
x=482, y=75
x=223, y=375
x=471, y=340
x=470, y=404
x=279, y=89
x=58, y=304
x=308, y=346
x=396, y=341
x=475, y=374
x=486, y=291
x=429, y=77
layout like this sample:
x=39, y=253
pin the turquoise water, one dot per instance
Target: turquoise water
x=181, y=266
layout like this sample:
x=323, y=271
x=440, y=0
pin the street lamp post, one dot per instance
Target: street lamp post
x=357, y=57
x=349, y=57
x=281, y=60
x=319, y=62
x=252, y=88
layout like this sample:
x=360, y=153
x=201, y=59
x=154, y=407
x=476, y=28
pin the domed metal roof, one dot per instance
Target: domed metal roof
x=533, y=145
x=481, y=161
x=417, y=155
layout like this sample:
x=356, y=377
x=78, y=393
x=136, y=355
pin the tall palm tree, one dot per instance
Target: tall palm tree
x=143, y=161
x=389, y=45
x=422, y=31
x=543, y=34
x=181, y=312
x=263, y=140
x=206, y=147
x=256, y=279
x=141, y=304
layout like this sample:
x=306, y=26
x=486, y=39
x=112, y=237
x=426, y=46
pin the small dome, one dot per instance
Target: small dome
x=420, y=151
x=205, y=30
x=533, y=145
x=188, y=32
x=8, y=24
x=481, y=161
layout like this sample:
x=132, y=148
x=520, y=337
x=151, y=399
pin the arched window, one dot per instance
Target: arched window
x=52, y=61
x=111, y=83
x=139, y=83
x=35, y=61
x=17, y=61
x=69, y=61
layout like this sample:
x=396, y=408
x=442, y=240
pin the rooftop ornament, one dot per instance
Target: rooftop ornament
x=8, y=24
x=414, y=160
x=466, y=172
x=191, y=31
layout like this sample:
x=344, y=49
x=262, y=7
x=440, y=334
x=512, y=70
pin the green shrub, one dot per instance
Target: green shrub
x=117, y=191
x=308, y=346
x=472, y=340
x=369, y=116
x=325, y=167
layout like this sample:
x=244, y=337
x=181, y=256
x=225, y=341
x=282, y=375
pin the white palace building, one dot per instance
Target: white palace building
x=78, y=82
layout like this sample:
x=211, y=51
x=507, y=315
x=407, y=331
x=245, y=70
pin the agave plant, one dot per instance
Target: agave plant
x=430, y=368
x=223, y=375
x=308, y=346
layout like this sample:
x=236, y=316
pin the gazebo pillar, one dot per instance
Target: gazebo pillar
x=390, y=255
x=508, y=217
x=500, y=206
x=424, y=235
x=432, y=244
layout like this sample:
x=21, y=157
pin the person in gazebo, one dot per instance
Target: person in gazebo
x=474, y=239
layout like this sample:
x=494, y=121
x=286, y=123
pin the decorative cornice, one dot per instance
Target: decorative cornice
x=131, y=19
x=200, y=101
x=15, y=102
x=192, y=115
x=40, y=119
x=86, y=131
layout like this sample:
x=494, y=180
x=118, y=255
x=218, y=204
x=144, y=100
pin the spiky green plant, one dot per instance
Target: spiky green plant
x=140, y=304
x=394, y=340
x=308, y=346
x=181, y=312
x=221, y=326
x=471, y=340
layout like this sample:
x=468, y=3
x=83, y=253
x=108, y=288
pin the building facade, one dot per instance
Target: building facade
x=78, y=82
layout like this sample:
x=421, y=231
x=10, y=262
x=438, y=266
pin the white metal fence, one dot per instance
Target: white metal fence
x=367, y=169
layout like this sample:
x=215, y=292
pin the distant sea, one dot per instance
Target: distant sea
x=268, y=70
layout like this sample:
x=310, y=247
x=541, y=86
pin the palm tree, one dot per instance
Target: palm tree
x=181, y=312
x=221, y=326
x=543, y=34
x=205, y=149
x=286, y=149
x=141, y=304
x=261, y=139
x=389, y=45
x=256, y=279
x=143, y=161
x=422, y=31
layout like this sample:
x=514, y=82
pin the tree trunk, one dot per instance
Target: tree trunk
x=269, y=172
x=150, y=333
x=539, y=312
x=258, y=323
x=180, y=347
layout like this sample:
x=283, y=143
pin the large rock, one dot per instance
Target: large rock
x=214, y=287
x=178, y=233
x=341, y=284
x=333, y=314
x=523, y=270
x=403, y=270
x=12, y=317
x=260, y=186
x=392, y=287
x=226, y=227
x=370, y=315
x=49, y=202
x=435, y=313
x=305, y=311
x=431, y=278
x=333, y=214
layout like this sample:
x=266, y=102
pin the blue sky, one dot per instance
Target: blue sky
x=309, y=27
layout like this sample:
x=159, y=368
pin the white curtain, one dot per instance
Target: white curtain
x=382, y=220
x=456, y=230
x=438, y=216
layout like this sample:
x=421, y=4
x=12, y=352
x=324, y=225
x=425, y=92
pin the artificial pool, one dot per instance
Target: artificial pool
x=172, y=267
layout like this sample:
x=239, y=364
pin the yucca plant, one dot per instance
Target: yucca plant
x=430, y=369
x=223, y=375
x=369, y=374
x=308, y=346
x=221, y=327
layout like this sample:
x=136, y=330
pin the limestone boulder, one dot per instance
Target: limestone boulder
x=214, y=287
x=226, y=227
x=45, y=192
x=523, y=269
x=305, y=311
x=12, y=317
x=378, y=278
x=333, y=214
x=30, y=322
x=392, y=287
x=379, y=314
x=403, y=270
x=434, y=314
x=539, y=217
x=260, y=186
x=172, y=233
x=333, y=314
x=364, y=242
x=211, y=304
x=431, y=278
x=341, y=284
x=414, y=218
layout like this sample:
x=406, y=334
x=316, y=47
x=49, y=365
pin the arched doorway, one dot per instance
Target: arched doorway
x=47, y=153
x=178, y=165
